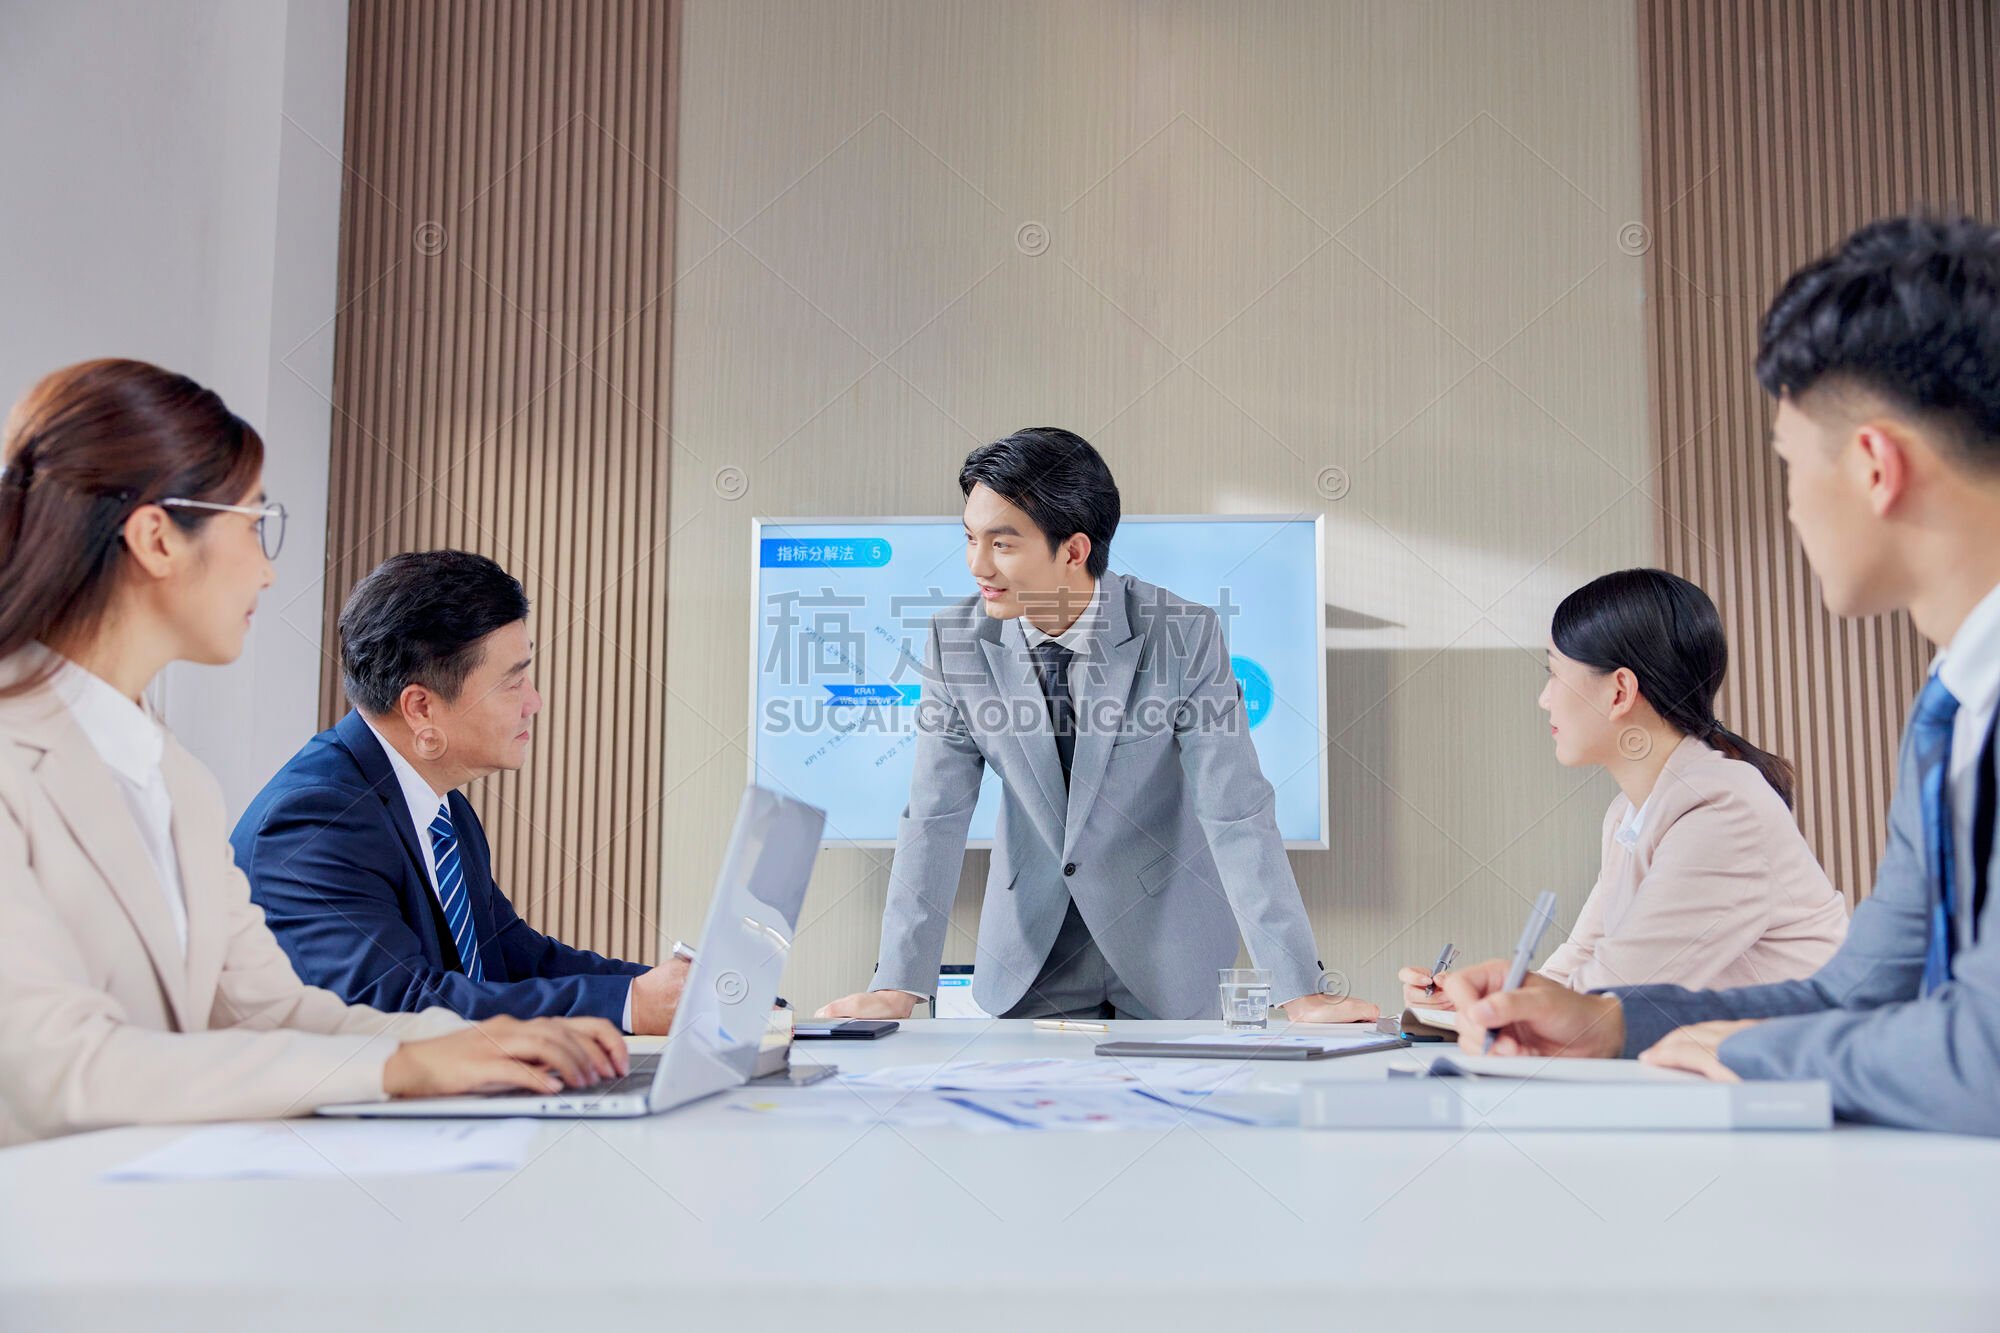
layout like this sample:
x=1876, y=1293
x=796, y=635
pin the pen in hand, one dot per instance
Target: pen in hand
x=1446, y=957
x=1524, y=952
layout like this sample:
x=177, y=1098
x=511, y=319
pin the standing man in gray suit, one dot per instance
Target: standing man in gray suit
x=1884, y=359
x=1136, y=836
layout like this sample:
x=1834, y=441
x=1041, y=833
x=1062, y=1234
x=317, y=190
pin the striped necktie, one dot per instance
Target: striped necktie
x=452, y=893
x=1930, y=735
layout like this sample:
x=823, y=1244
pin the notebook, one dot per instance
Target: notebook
x=1256, y=1046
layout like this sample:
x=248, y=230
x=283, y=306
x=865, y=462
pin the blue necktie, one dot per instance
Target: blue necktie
x=1930, y=734
x=451, y=892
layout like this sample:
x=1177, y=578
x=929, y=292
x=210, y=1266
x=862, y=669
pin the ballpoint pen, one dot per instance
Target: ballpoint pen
x=1069, y=1025
x=1446, y=957
x=1531, y=940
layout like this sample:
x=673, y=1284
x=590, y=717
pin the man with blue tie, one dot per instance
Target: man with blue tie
x=1884, y=360
x=370, y=865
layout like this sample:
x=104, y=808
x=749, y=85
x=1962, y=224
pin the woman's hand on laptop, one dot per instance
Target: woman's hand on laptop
x=871, y=1004
x=536, y=1054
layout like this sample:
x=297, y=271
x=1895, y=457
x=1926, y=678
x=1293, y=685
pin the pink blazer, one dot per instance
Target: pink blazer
x=103, y=1019
x=1718, y=890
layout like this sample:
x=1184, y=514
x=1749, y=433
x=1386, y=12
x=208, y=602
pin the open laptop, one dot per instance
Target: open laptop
x=724, y=1009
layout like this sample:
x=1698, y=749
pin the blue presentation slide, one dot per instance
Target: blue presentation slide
x=843, y=611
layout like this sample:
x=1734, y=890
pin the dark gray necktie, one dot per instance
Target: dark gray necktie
x=1052, y=667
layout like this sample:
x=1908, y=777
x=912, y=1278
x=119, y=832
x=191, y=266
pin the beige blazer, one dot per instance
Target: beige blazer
x=1718, y=890
x=102, y=1020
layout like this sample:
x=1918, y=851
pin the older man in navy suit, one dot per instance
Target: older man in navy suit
x=369, y=863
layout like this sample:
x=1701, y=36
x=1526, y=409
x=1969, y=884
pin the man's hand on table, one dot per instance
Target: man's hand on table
x=1694, y=1048
x=871, y=1004
x=1329, y=1009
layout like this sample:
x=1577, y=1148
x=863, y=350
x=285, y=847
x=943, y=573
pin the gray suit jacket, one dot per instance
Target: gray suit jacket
x=1167, y=833
x=1890, y=1055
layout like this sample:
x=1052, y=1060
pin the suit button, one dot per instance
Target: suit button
x=1070, y=869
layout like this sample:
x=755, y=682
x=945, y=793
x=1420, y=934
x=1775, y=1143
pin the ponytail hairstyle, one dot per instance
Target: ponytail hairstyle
x=82, y=450
x=1665, y=631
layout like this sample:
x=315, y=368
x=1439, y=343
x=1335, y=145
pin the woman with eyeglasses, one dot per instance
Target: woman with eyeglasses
x=137, y=981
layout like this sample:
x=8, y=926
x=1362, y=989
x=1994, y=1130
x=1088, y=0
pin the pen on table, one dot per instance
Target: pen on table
x=1531, y=940
x=1446, y=957
x=1064, y=1025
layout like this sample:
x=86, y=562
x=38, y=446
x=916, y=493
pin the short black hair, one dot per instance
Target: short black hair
x=1058, y=479
x=417, y=619
x=1907, y=308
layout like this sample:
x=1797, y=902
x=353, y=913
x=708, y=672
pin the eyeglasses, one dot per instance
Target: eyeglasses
x=270, y=520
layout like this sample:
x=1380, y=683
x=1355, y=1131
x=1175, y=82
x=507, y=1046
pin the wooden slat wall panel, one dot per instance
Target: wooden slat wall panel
x=500, y=385
x=1772, y=128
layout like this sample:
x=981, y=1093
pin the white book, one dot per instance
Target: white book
x=1535, y=1094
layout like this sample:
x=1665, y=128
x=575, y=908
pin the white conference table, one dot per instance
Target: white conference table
x=709, y=1218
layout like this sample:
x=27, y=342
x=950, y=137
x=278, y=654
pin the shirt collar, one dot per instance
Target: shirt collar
x=1079, y=631
x=124, y=735
x=417, y=793
x=1970, y=665
x=1635, y=820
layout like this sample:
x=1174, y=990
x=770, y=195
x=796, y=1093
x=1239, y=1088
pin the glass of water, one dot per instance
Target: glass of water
x=1246, y=998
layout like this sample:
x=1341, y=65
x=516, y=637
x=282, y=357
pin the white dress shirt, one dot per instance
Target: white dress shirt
x=423, y=804
x=130, y=743
x=1970, y=669
x=1632, y=826
x=1077, y=636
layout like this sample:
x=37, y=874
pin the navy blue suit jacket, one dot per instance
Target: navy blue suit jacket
x=333, y=860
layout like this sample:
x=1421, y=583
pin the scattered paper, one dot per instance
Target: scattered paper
x=1327, y=1029
x=288, y=1150
x=1133, y=1108
x=989, y=1112
x=916, y=1111
x=1013, y=1075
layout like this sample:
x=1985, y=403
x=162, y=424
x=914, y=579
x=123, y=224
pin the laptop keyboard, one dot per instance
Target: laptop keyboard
x=638, y=1081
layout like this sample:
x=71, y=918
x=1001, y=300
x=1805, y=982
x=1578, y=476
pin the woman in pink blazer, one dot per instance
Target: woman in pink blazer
x=137, y=980
x=1705, y=880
